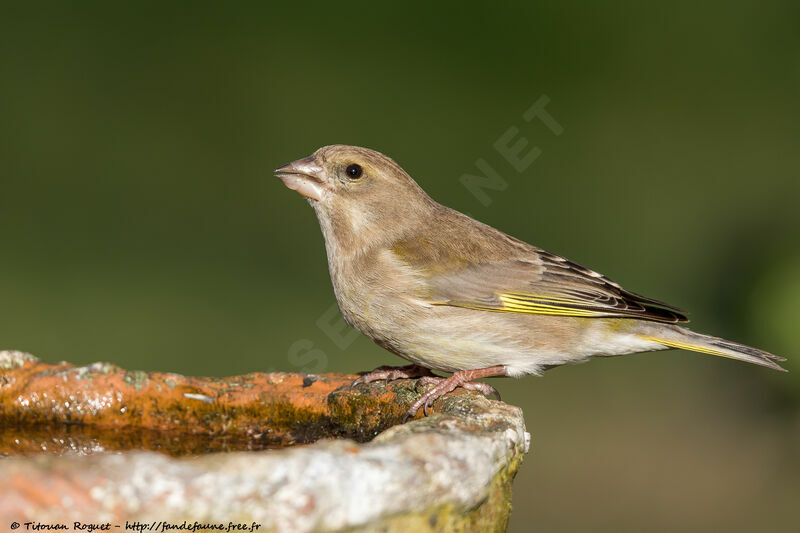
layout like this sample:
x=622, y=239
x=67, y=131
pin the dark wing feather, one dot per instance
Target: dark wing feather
x=544, y=283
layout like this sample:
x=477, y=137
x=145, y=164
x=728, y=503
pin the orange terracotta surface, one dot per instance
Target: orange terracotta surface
x=59, y=407
x=56, y=419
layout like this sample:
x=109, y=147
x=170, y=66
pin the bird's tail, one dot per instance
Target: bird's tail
x=684, y=339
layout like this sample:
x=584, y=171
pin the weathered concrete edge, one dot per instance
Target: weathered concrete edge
x=457, y=459
x=490, y=516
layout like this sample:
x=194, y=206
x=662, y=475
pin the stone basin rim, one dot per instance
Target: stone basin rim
x=452, y=459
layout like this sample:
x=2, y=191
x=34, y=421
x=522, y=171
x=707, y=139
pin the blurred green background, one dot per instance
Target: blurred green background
x=140, y=223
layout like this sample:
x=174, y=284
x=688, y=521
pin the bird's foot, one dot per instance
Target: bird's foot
x=390, y=373
x=479, y=386
x=461, y=379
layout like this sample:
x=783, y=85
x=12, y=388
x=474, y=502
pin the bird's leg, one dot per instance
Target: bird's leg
x=462, y=378
x=390, y=373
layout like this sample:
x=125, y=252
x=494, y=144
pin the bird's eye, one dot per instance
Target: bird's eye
x=354, y=171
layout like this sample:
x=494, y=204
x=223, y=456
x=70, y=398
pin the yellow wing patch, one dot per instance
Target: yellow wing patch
x=535, y=304
x=544, y=305
x=538, y=305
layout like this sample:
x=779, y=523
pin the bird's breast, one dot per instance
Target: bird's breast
x=377, y=294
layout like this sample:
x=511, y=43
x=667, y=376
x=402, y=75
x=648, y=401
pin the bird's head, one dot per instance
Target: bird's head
x=360, y=195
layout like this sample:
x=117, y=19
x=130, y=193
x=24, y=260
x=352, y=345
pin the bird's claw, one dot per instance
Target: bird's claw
x=391, y=373
x=483, y=388
x=443, y=386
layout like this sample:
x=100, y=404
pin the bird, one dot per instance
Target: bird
x=448, y=293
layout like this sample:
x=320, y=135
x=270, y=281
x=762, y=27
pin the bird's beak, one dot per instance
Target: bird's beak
x=304, y=176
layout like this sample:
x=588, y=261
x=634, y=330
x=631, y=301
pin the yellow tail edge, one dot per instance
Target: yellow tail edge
x=730, y=351
x=686, y=346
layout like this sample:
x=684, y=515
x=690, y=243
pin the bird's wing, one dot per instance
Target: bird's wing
x=546, y=284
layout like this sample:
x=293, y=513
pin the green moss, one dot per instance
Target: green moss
x=104, y=368
x=135, y=378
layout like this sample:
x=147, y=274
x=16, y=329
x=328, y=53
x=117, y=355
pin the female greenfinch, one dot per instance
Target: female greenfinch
x=452, y=294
